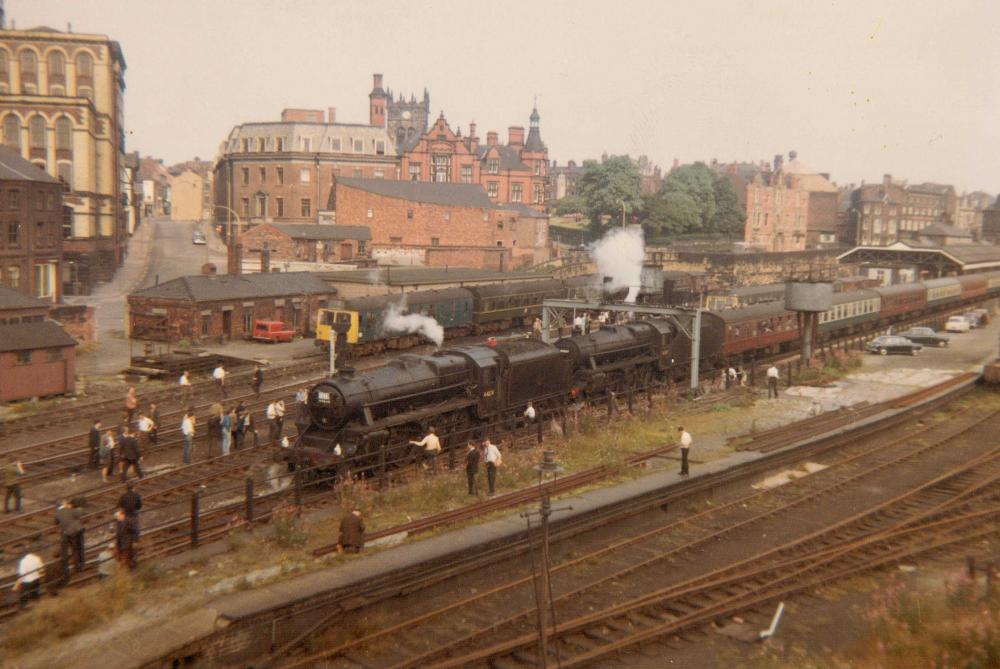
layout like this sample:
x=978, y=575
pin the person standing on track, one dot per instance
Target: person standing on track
x=12, y=473
x=226, y=424
x=352, y=533
x=109, y=454
x=493, y=460
x=185, y=383
x=257, y=380
x=131, y=403
x=154, y=415
x=214, y=427
x=68, y=519
x=685, y=442
x=219, y=374
x=131, y=455
x=472, y=456
x=772, y=382
x=130, y=504
x=94, y=444
x=146, y=427
x=188, y=426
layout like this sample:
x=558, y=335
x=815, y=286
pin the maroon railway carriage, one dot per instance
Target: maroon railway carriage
x=766, y=327
x=901, y=300
x=973, y=286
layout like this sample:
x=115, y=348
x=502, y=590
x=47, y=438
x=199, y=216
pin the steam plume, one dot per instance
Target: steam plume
x=619, y=255
x=397, y=321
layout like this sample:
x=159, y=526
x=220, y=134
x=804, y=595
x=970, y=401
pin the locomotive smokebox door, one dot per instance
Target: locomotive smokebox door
x=341, y=327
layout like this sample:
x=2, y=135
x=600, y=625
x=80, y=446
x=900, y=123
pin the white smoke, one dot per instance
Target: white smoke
x=619, y=255
x=395, y=320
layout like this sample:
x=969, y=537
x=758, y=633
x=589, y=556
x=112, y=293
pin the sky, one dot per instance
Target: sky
x=858, y=89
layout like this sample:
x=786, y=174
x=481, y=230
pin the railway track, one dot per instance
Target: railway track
x=420, y=642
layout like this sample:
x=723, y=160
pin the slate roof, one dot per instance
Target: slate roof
x=221, y=287
x=14, y=299
x=523, y=210
x=32, y=336
x=510, y=157
x=308, y=231
x=447, y=194
x=15, y=168
x=944, y=230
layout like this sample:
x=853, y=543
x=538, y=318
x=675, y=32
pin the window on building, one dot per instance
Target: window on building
x=39, y=201
x=466, y=175
x=499, y=243
x=409, y=214
x=335, y=144
x=262, y=206
x=435, y=241
x=64, y=135
x=359, y=146
x=280, y=206
x=499, y=226
x=493, y=188
x=440, y=168
x=279, y=143
x=24, y=357
x=378, y=174
x=84, y=68
x=305, y=176
x=306, y=206
x=36, y=133
x=493, y=165
x=245, y=173
x=29, y=67
x=261, y=145
x=247, y=320
x=538, y=194
x=67, y=222
x=57, y=68
x=538, y=168
x=371, y=213
x=4, y=67
x=13, y=233
x=447, y=215
x=279, y=175
x=206, y=325
x=414, y=171
x=380, y=148
x=12, y=132
x=262, y=172
x=305, y=144
x=245, y=145
x=516, y=192
x=395, y=240
x=486, y=215
x=14, y=276
x=245, y=202
x=44, y=280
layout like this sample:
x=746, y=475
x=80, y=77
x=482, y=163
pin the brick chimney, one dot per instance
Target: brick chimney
x=515, y=135
x=265, y=258
x=886, y=180
x=331, y=114
x=778, y=162
x=491, y=138
x=234, y=259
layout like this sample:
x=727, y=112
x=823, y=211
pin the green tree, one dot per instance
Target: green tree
x=694, y=200
x=571, y=204
x=605, y=185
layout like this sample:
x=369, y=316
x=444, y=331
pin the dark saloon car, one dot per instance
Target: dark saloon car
x=926, y=336
x=892, y=344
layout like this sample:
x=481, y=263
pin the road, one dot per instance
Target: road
x=160, y=250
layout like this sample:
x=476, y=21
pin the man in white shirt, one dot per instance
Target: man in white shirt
x=772, y=382
x=493, y=460
x=219, y=374
x=578, y=324
x=185, y=383
x=730, y=377
x=529, y=413
x=271, y=413
x=685, y=441
x=30, y=570
x=146, y=426
x=432, y=447
x=187, y=430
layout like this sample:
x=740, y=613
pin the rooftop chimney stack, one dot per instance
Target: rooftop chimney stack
x=491, y=138
x=778, y=162
x=234, y=258
x=886, y=180
x=265, y=258
x=331, y=114
x=515, y=135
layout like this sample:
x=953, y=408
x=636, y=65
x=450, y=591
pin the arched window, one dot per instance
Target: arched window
x=4, y=67
x=57, y=68
x=12, y=132
x=29, y=67
x=84, y=69
x=64, y=136
x=36, y=136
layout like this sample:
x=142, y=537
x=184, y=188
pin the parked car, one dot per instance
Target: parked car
x=272, y=332
x=974, y=319
x=198, y=237
x=984, y=316
x=926, y=336
x=887, y=344
x=957, y=324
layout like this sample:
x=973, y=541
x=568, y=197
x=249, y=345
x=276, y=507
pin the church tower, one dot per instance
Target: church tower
x=377, y=103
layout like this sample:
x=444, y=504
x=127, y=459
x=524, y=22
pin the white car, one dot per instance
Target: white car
x=957, y=324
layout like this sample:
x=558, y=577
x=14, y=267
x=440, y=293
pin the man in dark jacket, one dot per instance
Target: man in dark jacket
x=472, y=467
x=125, y=538
x=131, y=502
x=94, y=443
x=257, y=381
x=131, y=455
x=352, y=532
x=68, y=519
x=154, y=415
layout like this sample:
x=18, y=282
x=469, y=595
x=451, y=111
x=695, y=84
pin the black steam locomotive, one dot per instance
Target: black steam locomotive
x=365, y=419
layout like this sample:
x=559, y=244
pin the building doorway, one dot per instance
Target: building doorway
x=227, y=324
x=346, y=251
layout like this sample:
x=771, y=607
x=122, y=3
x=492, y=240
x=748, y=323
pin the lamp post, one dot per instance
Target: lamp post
x=623, y=213
x=229, y=222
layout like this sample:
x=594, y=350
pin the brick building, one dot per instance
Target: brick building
x=16, y=307
x=37, y=359
x=969, y=210
x=283, y=171
x=224, y=307
x=991, y=223
x=311, y=243
x=190, y=189
x=516, y=172
x=61, y=107
x=31, y=228
x=155, y=186
x=451, y=221
x=791, y=208
x=884, y=213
